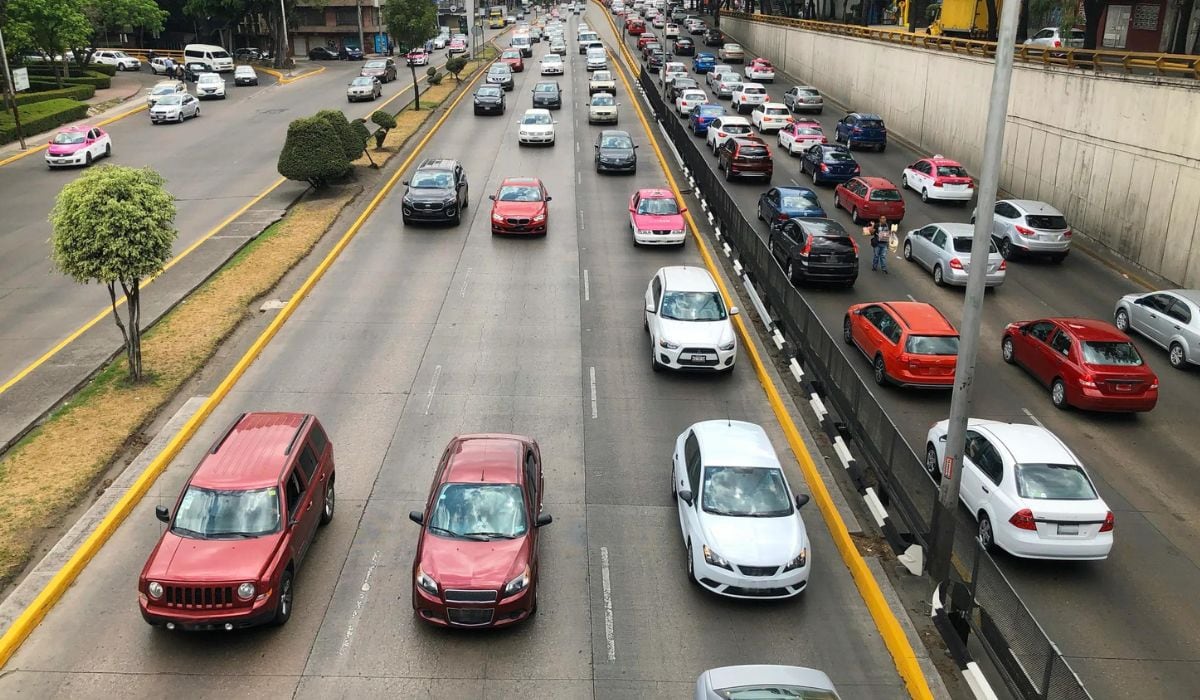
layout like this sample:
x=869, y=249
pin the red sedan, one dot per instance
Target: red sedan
x=645, y=38
x=513, y=58
x=909, y=343
x=1087, y=364
x=521, y=206
x=477, y=557
x=869, y=198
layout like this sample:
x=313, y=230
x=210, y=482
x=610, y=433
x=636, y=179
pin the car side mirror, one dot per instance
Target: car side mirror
x=162, y=513
x=686, y=496
x=943, y=438
x=734, y=311
x=490, y=196
x=858, y=312
x=682, y=210
x=543, y=520
x=801, y=499
x=548, y=198
x=404, y=182
x=635, y=146
x=417, y=517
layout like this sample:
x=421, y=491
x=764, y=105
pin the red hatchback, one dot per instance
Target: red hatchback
x=520, y=206
x=869, y=198
x=909, y=343
x=477, y=557
x=242, y=526
x=513, y=58
x=1087, y=364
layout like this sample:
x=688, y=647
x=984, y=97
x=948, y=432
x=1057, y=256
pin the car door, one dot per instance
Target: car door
x=812, y=159
x=790, y=240
x=768, y=205
x=1181, y=321
x=1057, y=359
x=970, y=490
x=923, y=243
x=689, y=520
x=295, y=492
x=1150, y=318
x=309, y=463
x=460, y=178
x=533, y=492
x=654, y=294
x=1004, y=218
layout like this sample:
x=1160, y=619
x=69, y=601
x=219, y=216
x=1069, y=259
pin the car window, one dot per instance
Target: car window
x=885, y=196
x=212, y=514
x=536, y=119
x=432, y=179
x=985, y=456
x=693, y=306
x=1007, y=210
x=545, y=87
x=1180, y=311
x=293, y=491
x=1060, y=482
x=520, y=193
x=308, y=463
x=479, y=511
x=837, y=155
x=1046, y=222
x=616, y=141
x=1041, y=330
x=931, y=345
x=363, y=81
x=531, y=476
x=939, y=238
x=691, y=454
x=656, y=290
x=603, y=100
x=1061, y=342
x=1157, y=302
x=1117, y=353
x=755, y=492
x=962, y=244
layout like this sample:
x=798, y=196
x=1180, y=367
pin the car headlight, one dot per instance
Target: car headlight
x=450, y=199
x=155, y=590
x=798, y=562
x=664, y=343
x=729, y=346
x=426, y=582
x=715, y=559
x=678, y=232
x=646, y=232
x=539, y=218
x=246, y=591
x=518, y=584
x=499, y=218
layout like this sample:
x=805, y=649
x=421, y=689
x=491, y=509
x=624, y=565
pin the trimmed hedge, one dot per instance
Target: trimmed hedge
x=313, y=152
x=78, y=77
x=40, y=117
x=40, y=92
x=98, y=68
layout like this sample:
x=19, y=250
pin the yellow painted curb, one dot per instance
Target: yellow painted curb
x=284, y=80
x=885, y=619
x=53, y=591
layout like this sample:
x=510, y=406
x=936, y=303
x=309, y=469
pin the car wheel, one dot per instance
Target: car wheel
x=653, y=357
x=791, y=272
x=1176, y=357
x=908, y=251
x=1007, y=251
x=691, y=566
x=854, y=216
x=837, y=204
x=814, y=175
x=108, y=150
x=330, y=504
x=986, y=537
x=1121, y=321
x=1058, y=394
x=937, y=276
x=882, y=147
x=931, y=464
x=925, y=194
x=847, y=336
x=1006, y=350
x=758, y=213
x=904, y=182
x=87, y=159
x=456, y=218
x=880, y=371
x=1058, y=258
x=729, y=173
x=283, y=611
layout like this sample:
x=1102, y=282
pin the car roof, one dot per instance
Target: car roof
x=735, y=443
x=1032, y=206
x=733, y=119
x=778, y=105
x=1091, y=329
x=77, y=127
x=877, y=183
x=438, y=164
x=488, y=458
x=920, y=317
x=748, y=140
x=957, y=230
x=687, y=278
x=520, y=181
x=1027, y=443
x=252, y=453
x=1192, y=295
x=762, y=674
x=866, y=115
x=655, y=193
x=942, y=160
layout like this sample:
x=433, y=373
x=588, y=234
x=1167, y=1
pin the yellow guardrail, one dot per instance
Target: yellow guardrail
x=1099, y=60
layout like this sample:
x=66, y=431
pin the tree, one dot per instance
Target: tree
x=351, y=145
x=313, y=153
x=386, y=123
x=115, y=225
x=49, y=26
x=114, y=15
x=456, y=65
x=411, y=22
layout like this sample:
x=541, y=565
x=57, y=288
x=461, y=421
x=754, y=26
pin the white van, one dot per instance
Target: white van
x=597, y=58
x=523, y=43
x=214, y=57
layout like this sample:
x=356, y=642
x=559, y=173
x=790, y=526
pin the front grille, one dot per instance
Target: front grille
x=518, y=221
x=476, y=596
x=198, y=597
x=428, y=206
x=757, y=592
x=470, y=616
x=698, y=357
x=758, y=570
x=661, y=233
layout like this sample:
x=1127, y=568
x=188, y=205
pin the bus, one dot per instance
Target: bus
x=496, y=17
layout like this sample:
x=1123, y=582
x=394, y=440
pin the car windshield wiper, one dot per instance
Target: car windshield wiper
x=489, y=535
x=238, y=535
x=445, y=531
x=188, y=533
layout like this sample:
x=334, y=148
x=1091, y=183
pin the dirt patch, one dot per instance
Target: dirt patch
x=873, y=546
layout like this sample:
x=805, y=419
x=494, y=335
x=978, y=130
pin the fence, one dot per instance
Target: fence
x=1099, y=60
x=1034, y=668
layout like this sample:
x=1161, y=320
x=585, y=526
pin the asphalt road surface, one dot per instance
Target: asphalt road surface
x=418, y=334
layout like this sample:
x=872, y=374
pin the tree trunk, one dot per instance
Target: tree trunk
x=416, y=88
x=1023, y=23
x=112, y=298
x=1092, y=9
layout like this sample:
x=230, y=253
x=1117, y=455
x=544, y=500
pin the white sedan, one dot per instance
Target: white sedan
x=552, y=64
x=688, y=100
x=1028, y=491
x=210, y=85
x=741, y=524
x=689, y=326
x=770, y=116
x=760, y=71
x=602, y=109
x=536, y=126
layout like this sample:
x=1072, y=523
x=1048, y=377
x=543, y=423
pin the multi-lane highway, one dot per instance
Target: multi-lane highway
x=420, y=333
x=1127, y=624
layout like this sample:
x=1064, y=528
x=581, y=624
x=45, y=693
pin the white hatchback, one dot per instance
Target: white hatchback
x=747, y=95
x=536, y=126
x=688, y=323
x=688, y=100
x=770, y=116
x=741, y=524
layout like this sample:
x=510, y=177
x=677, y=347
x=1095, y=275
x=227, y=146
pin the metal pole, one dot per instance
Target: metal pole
x=964, y=376
x=285, y=49
x=362, y=45
x=12, y=94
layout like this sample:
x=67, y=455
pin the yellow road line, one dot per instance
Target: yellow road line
x=284, y=80
x=885, y=619
x=50, y=594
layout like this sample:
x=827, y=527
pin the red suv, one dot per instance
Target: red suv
x=521, y=205
x=1086, y=363
x=477, y=557
x=869, y=198
x=242, y=526
x=909, y=343
x=740, y=156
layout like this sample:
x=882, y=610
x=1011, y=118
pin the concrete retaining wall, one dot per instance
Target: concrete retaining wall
x=1120, y=156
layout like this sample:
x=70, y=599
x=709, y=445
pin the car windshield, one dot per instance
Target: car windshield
x=163, y=90
x=659, y=206
x=1111, y=353
x=243, y=70
x=219, y=54
x=69, y=137
x=1046, y=222
x=694, y=95
x=488, y=92
x=519, y=193
x=552, y=58
x=499, y=70
x=212, y=514
x=479, y=511
x=603, y=101
x=799, y=200
x=932, y=345
x=363, y=81
x=601, y=75
x=693, y=306
x=885, y=196
x=434, y=179
x=171, y=99
x=776, y=692
x=962, y=244
x=545, y=87
x=1056, y=482
x=755, y=492
x=209, y=78
x=536, y=119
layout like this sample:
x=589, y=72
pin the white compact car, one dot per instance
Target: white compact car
x=689, y=326
x=597, y=59
x=163, y=88
x=799, y=136
x=760, y=71
x=671, y=31
x=764, y=681
x=714, y=75
x=770, y=116
x=741, y=524
x=120, y=59
x=1170, y=319
x=938, y=178
x=747, y=95
x=1028, y=491
x=689, y=99
x=602, y=109
x=536, y=126
x=724, y=128
x=552, y=64
x=210, y=85
x=670, y=71
x=1027, y=227
x=175, y=108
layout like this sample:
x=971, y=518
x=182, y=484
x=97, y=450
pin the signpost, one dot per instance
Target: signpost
x=20, y=78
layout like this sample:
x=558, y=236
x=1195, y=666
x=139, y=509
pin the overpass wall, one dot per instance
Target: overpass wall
x=1119, y=155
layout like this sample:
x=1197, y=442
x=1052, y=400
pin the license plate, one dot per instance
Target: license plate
x=699, y=358
x=1064, y=529
x=1123, y=387
x=954, y=187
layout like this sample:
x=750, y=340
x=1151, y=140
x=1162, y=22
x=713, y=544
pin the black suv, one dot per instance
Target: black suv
x=815, y=250
x=489, y=99
x=547, y=95
x=714, y=37
x=437, y=191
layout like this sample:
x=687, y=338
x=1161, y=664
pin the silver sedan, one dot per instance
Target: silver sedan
x=945, y=250
x=1170, y=319
x=764, y=681
x=727, y=84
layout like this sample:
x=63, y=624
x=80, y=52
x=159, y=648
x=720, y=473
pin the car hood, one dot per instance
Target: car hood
x=703, y=333
x=755, y=541
x=537, y=128
x=468, y=564
x=428, y=194
x=518, y=208
x=659, y=222
x=182, y=559
x=64, y=149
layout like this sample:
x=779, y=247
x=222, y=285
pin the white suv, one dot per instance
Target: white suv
x=688, y=322
x=748, y=95
x=771, y=116
x=120, y=59
x=724, y=128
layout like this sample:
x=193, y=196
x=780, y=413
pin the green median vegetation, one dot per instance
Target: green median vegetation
x=41, y=116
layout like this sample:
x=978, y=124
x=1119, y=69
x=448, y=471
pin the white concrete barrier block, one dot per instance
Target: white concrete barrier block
x=797, y=371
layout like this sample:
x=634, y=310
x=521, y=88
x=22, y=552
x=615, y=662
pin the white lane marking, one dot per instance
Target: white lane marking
x=576, y=146
x=606, y=582
x=592, y=372
x=578, y=177
x=466, y=280
x=797, y=184
x=358, y=604
x=910, y=297
x=437, y=374
x=1033, y=418
x=587, y=287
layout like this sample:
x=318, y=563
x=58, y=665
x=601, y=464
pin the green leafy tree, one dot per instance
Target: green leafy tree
x=313, y=153
x=107, y=16
x=456, y=65
x=115, y=225
x=411, y=22
x=352, y=146
x=49, y=26
x=386, y=122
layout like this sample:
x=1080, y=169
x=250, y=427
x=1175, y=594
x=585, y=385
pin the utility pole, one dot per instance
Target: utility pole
x=944, y=514
x=362, y=46
x=12, y=94
x=285, y=49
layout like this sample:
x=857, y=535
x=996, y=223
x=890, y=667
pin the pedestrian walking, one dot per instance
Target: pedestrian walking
x=881, y=238
x=168, y=67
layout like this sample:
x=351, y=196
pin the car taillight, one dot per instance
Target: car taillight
x=722, y=134
x=1023, y=520
x=1109, y=522
x=1067, y=234
x=857, y=169
x=824, y=140
x=1003, y=264
x=1025, y=231
x=807, y=246
x=781, y=217
x=855, y=244
x=956, y=263
x=824, y=168
x=1087, y=380
x=857, y=130
x=1057, y=44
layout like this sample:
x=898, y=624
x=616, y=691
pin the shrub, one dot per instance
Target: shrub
x=77, y=76
x=41, y=116
x=386, y=123
x=455, y=66
x=97, y=68
x=351, y=145
x=40, y=92
x=435, y=78
x=313, y=153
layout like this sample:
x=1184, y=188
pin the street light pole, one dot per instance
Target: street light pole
x=283, y=50
x=960, y=402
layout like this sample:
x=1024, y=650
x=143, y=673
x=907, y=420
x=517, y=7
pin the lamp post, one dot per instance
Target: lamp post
x=362, y=46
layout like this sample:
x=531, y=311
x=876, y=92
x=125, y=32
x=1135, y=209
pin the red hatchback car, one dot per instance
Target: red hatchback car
x=514, y=60
x=521, y=205
x=242, y=526
x=909, y=343
x=1087, y=364
x=477, y=557
x=869, y=198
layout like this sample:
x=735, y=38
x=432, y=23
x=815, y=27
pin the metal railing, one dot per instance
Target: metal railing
x=1098, y=60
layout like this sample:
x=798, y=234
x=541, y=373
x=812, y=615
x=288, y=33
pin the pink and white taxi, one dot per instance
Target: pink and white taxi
x=800, y=134
x=656, y=218
x=760, y=70
x=78, y=145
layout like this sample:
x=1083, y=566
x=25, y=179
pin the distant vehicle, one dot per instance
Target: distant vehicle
x=1170, y=319
x=602, y=109
x=215, y=57
x=158, y=65
x=770, y=116
x=251, y=54
x=514, y=60
x=731, y=53
x=350, y=53
x=798, y=136
x=436, y=191
x=177, y=108
x=547, y=94
x=192, y=70
x=244, y=75
x=703, y=115
x=802, y=98
x=615, y=152
x=1052, y=37
x=828, y=163
x=163, y=88
x=945, y=250
x=78, y=145
x=364, y=88
x=684, y=46
x=760, y=70
x=780, y=204
x=703, y=62
x=689, y=100
x=739, y=157
x=320, y=53
x=781, y=682
x=552, y=64
x=120, y=59
x=939, y=178
x=724, y=128
x=862, y=129
x=417, y=57
x=747, y=96
x=500, y=74
x=457, y=46
x=536, y=126
x=382, y=68
x=1024, y=227
x=602, y=81
x=868, y=199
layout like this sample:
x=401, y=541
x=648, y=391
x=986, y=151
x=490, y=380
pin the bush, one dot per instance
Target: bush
x=77, y=77
x=435, y=78
x=313, y=153
x=97, y=68
x=40, y=92
x=351, y=145
x=385, y=120
x=455, y=66
x=41, y=116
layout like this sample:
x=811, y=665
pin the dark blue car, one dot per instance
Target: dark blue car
x=862, y=129
x=780, y=204
x=702, y=116
x=703, y=62
x=828, y=162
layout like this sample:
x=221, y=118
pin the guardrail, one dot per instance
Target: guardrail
x=1098, y=60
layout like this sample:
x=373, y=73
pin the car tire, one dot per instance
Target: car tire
x=837, y=204
x=1121, y=320
x=654, y=366
x=283, y=611
x=1058, y=394
x=931, y=464
x=87, y=159
x=457, y=218
x=908, y=251
x=937, y=276
x=904, y=182
x=1007, y=250
x=925, y=194
x=1007, y=352
x=847, y=336
x=882, y=147
x=987, y=538
x=792, y=275
x=729, y=173
x=758, y=214
x=691, y=566
x=330, y=505
x=854, y=216
x=1176, y=356
x=879, y=371
x=1058, y=258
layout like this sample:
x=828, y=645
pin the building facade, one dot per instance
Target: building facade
x=334, y=25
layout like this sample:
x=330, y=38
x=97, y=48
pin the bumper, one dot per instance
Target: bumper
x=894, y=214
x=833, y=274
x=489, y=109
x=1026, y=544
x=833, y=177
x=548, y=105
x=958, y=278
x=205, y=620
x=808, y=106
x=552, y=71
x=245, y=81
x=1093, y=400
x=535, y=138
x=913, y=380
x=1037, y=245
x=505, y=612
x=77, y=158
x=659, y=239
x=443, y=214
x=772, y=126
x=734, y=585
x=360, y=96
x=627, y=167
x=735, y=171
x=949, y=195
x=602, y=118
x=156, y=118
x=516, y=230
x=675, y=359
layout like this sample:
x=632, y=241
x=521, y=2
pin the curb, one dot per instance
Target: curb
x=285, y=78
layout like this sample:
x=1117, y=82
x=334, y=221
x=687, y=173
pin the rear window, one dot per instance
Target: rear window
x=808, y=93
x=777, y=111
x=951, y=171
x=1056, y=482
x=1111, y=353
x=737, y=129
x=838, y=156
x=753, y=151
x=803, y=200
x=932, y=345
x=754, y=90
x=1053, y=223
x=870, y=123
x=885, y=196
x=962, y=244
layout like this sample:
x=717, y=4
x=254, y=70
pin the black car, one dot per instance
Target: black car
x=547, y=95
x=500, y=74
x=656, y=59
x=678, y=85
x=828, y=163
x=489, y=99
x=615, y=152
x=350, y=53
x=193, y=69
x=714, y=37
x=320, y=53
x=815, y=250
x=437, y=191
x=251, y=54
x=685, y=47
